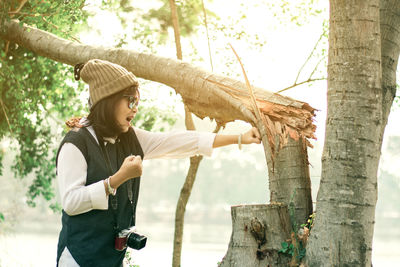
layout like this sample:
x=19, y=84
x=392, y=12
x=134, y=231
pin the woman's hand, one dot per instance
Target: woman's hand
x=131, y=167
x=251, y=136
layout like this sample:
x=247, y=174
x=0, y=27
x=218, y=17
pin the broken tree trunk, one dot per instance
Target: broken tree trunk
x=257, y=234
x=289, y=180
x=290, y=183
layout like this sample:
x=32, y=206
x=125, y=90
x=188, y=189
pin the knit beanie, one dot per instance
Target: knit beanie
x=104, y=78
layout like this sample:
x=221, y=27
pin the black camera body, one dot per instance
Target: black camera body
x=129, y=238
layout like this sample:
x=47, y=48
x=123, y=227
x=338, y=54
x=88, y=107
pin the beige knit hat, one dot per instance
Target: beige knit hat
x=104, y=78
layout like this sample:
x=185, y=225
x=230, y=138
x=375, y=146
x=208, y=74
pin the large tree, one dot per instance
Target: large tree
x=364, y=46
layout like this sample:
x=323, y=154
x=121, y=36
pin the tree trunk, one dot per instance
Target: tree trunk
x=344, y=224
x=257, y=234
x=289, y=180
x=194, y=161
x=390, y=49
x=181, y=207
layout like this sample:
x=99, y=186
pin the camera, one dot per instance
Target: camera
x=129, y=238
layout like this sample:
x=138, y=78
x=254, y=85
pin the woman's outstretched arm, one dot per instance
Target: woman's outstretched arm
x=251, y=136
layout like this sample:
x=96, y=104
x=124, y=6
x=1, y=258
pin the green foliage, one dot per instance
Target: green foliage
x=128, y=259
x=296, y=248
x=294, y=12
x=298, y=251
x=301, y=252
x=152, y=118
x=190, y=14
x=147, y=29
x=310, y=221
x=59, y=16
x=287, y=248
x=35, y=91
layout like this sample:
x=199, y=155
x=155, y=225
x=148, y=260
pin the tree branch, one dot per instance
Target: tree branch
x=208, y=38
x=297, y=84
x=55, y=26
x=309, y=57
x=13, y=13
x=205, y=94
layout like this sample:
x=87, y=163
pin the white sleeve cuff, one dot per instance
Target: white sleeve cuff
x=98, y=196
x=206, y=141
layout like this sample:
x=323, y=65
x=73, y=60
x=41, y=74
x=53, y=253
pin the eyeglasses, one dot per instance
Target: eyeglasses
x=133, y=101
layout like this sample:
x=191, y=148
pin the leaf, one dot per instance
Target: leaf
x=285, y=248
x=302, y=253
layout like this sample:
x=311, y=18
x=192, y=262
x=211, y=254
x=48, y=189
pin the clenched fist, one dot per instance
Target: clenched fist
x=131, y=167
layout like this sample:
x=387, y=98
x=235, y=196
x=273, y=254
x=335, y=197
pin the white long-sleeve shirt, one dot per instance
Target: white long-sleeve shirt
x=76, y=198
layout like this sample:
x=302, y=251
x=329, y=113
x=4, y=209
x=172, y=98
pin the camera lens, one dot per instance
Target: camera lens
x=136, y=241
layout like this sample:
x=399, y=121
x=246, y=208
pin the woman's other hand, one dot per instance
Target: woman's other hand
x=251, y=136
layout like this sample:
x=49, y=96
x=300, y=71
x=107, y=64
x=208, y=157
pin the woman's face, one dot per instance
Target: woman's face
x=126, y=110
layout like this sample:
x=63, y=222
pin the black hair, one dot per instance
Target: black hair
x=102, y=115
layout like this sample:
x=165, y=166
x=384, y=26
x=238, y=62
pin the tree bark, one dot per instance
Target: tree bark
x=289, y=180
x=390, y=49
x=344, y=224
x=257, y=234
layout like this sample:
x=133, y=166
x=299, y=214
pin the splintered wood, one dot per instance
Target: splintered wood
x=283, y=117
x=284, y=120
x=279, y=120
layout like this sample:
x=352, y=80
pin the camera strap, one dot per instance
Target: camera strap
x=114, y=199
x=114, y=202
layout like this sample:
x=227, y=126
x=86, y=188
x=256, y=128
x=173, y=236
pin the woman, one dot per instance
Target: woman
x=99, y=164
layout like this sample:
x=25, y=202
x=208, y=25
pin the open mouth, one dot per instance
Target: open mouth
x=129, y=118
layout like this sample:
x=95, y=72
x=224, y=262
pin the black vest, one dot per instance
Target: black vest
x=90, y=236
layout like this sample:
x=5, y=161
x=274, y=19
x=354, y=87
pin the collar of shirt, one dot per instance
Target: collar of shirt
x=110, y=140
